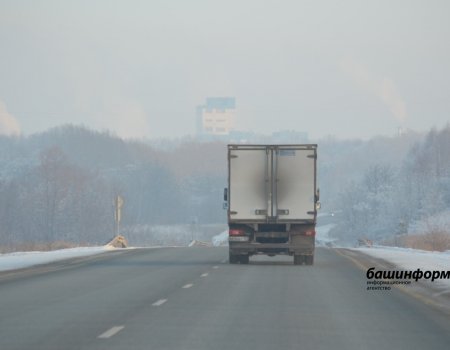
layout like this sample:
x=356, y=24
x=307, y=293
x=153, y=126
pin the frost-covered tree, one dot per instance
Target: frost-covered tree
x=386, y=201
x=367, y=206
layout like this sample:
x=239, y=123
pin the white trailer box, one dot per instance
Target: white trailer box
x=272, y=199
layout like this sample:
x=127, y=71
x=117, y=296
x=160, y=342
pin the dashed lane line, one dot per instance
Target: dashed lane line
x=204, y=274
x=186, y=286
x=111, y=332
x=159, y=302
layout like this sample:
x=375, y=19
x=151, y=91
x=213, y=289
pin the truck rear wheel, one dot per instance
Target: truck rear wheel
x=234, y=259
x=244, y=259
x=298, y=259
x=309, y=259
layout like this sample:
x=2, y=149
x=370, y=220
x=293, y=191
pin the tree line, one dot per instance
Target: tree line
x=408, y=196
x=61, y=184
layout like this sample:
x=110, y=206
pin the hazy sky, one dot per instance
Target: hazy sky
x=139, y=68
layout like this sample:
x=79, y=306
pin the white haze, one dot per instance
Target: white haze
x=139, y=68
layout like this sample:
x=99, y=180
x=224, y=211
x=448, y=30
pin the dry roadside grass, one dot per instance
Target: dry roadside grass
x=436, y=240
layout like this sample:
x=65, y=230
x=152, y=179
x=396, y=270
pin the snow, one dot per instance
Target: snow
x=413, y=259
x=322, y=235
x=19, y=260
x=220, y=239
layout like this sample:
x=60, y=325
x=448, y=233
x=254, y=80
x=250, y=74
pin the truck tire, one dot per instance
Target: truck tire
x=233, y=259
x=298, y=259
x=244, y=259
x=309, y=259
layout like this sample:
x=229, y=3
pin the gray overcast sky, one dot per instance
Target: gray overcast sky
x=139, y=68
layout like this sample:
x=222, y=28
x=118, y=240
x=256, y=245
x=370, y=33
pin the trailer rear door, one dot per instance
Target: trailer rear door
x=272, y=183
x=295, y=188
x=248, y=169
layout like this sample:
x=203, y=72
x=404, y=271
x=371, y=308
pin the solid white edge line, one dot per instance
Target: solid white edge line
x=111, y=332
x=189, y=285
x=159, y=302
x=204, y=274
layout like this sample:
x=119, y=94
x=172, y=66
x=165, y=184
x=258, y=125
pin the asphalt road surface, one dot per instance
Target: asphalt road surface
x=191, y=298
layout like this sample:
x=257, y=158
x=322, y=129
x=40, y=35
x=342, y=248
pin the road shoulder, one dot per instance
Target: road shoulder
x=428, y=293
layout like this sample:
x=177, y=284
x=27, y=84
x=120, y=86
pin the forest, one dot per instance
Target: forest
x=393, y=198
x=60, y=185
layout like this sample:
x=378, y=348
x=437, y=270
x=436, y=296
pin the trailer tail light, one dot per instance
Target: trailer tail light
x=236, y=232
x=310, y=233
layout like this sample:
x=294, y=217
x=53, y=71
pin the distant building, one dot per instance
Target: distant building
x=217, y=116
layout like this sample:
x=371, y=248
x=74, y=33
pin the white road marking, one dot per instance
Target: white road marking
x=109, y=333
x=204, y=274
x=189, y=285
x=215, y=267
x=159, y=302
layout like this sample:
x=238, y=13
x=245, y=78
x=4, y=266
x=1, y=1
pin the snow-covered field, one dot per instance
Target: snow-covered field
x=413, y=259
x=21, y=260
x=220, y=239
x=322, y=235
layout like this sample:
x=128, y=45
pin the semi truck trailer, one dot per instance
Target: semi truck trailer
x=272, y=200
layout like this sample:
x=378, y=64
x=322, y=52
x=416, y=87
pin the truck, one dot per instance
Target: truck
x=272, y=200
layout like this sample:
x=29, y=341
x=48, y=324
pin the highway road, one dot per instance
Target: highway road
x=191, y=298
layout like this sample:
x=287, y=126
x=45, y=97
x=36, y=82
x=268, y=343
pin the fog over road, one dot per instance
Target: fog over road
x=191, y=298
